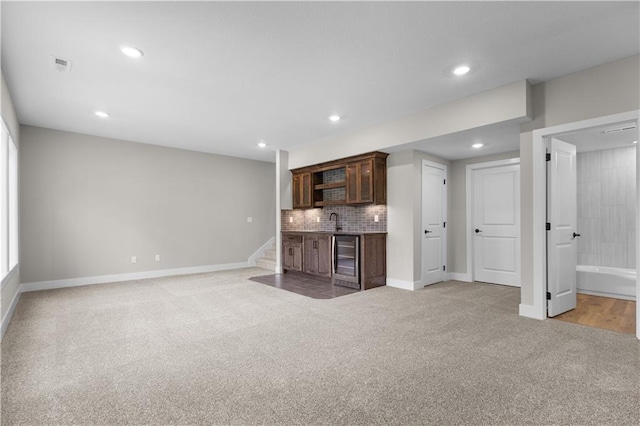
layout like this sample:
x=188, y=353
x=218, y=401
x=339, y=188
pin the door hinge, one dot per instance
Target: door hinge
x=444, y=224
x=444, y=182
x=548, y=296
x=444, y=267
x=548, y=227
x=548, y=156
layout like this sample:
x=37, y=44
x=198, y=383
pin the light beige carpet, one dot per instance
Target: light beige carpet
x=220, y=349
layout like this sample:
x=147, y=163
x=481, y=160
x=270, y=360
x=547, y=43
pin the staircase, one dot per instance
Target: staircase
x=268, y=261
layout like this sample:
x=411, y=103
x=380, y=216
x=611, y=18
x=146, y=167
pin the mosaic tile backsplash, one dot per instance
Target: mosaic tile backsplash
x=350, y=218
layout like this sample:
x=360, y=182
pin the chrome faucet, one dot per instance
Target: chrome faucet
x=331, y=218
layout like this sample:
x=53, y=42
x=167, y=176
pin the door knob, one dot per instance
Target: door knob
x=427, y=231
x=575, y=235
x=478, y=231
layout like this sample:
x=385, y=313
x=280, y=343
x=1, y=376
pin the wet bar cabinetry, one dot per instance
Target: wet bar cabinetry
x=360, y=179
x=313, y=253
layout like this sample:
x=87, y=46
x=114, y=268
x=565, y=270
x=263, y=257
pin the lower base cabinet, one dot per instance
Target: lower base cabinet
x=373, y=261
x=292, y=252
x=312, y=253
x=317, y=255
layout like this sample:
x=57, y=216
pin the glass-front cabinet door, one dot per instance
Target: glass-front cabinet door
x=301, y=190
x=360, y=182
x=365, y=169
x=352, y=183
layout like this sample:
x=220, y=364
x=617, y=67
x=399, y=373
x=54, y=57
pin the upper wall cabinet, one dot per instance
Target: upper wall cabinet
x=361, y=179
x=302, y=190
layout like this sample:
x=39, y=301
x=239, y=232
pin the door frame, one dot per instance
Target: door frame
x=470, y=170
x=445, y=195
x=539, y=209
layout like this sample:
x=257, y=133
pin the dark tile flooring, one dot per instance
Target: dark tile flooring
x=304, y=285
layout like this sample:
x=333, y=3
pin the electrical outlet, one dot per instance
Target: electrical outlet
x=318, y=219
x=249, y=219
x=134, y=259
x=291, y=219
x=157, y=258
x=376, y=218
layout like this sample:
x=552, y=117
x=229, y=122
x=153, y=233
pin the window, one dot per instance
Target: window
x=8, y=202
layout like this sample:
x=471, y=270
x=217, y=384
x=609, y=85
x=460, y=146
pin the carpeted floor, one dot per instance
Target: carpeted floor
x=220, y=349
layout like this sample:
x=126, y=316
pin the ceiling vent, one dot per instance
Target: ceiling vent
x=61, y=65
x=620, y=129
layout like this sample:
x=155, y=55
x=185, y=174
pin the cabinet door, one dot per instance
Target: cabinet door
x=301, y=190
x=360, y=182
x=292, y=257
x=310, y=264
x=324, y=256
x=351, y=173
x=365, y=181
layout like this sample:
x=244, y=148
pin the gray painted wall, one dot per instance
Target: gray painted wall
x=604, y=90
x=89, y=203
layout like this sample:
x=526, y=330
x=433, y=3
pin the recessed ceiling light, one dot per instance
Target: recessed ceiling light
x=131, y=52
x=262, y=144
x=334, y=118
x=477, y=145
x=461, y=70
x=635, y=141
x=101, y=114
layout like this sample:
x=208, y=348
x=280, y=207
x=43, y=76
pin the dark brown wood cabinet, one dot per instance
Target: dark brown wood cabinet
x=373, y=261
x=312, y=253
x=317, y=255
x=292, y=252
x=365, y=182
x=302, y=190
x=360, y=182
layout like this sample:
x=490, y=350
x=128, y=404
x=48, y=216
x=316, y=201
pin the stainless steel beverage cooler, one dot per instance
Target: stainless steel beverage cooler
x=346, y=264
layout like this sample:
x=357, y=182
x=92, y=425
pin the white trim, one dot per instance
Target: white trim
x=404, y=285
x=103, y=279
x=7, y=317
x=260, y=252
x=606, y=294
x=530, y=311
x=7, y=277
x=445, y=213
x=457, y=276
x=469, y=204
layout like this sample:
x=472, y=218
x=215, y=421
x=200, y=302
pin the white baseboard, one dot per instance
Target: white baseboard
x=260, y=252
x=9, y=314
x=530, y=311
x=404, y=285
x=103, y=279
x=457, y=276
x=606, y=294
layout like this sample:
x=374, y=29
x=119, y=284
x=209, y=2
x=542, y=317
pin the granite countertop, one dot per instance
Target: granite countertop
x=333, y=232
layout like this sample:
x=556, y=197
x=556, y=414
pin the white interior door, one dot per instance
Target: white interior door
x=496, y=225
x=433, y=223
x=561, y=238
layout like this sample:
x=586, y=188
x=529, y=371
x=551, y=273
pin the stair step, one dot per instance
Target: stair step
x=270, y=254
x=266, y=264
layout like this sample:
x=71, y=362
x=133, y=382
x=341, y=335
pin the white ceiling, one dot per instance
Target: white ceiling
x=220, y=77
x=595, y=138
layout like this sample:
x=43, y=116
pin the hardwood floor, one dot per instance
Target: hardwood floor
x=603, y=312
